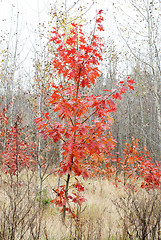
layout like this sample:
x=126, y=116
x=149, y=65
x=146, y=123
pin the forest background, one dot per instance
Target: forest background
x=132, y=46
x=130, y=38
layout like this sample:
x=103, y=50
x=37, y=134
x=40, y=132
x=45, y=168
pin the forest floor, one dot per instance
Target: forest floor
x=109, y=212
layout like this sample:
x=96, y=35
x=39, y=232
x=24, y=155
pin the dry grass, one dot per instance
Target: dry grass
x=99, y=218
x=99, y=215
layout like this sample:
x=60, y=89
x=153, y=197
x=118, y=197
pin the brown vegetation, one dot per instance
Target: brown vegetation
x=109, y=212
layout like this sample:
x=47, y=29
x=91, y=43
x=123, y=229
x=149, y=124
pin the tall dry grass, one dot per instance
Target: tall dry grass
x=108, y=213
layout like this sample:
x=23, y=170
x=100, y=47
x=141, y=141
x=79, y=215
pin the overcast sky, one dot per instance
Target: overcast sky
x=25, y=16
x=29, y=13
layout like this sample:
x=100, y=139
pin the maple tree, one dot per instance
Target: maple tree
x=137, y=164
x=17, y=154
x=81, y=122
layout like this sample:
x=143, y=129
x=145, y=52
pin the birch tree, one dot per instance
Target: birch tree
x=142, y=38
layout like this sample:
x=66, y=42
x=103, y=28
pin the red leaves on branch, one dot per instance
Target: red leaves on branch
x=3, y=121
x=138, y=164
x=60, y=193
x=99, y=20
x=17, y=154
x=75, y=197
x=77, y=63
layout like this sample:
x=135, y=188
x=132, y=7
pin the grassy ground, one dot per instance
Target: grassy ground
x=108, y=212
x=98, y=219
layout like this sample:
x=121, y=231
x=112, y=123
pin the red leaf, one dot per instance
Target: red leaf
x=130, y=81
x=100, y=27
x=116, y=96
x=100, y=11
x=131, y=87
